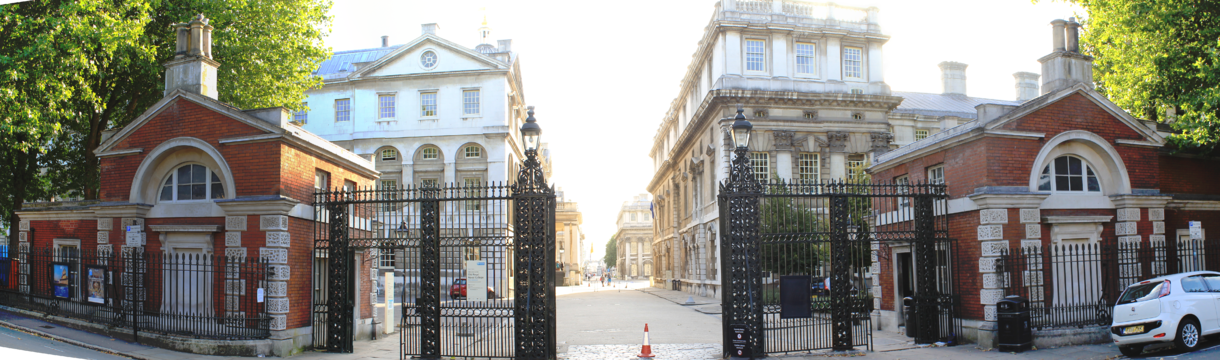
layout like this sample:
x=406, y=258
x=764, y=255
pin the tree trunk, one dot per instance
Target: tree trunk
x=96, y=125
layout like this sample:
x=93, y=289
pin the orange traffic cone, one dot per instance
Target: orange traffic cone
x=646, y=352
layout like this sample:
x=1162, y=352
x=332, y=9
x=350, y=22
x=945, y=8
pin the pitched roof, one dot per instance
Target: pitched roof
x=944, y=104
x=342, y=62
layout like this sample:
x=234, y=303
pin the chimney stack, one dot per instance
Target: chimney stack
x=953, y=77
x=1027, y=85
x=1065, y=66
x=505, y=45
x=431, y=28
x=1073, y=35
x=385, y=41
x=192, y=68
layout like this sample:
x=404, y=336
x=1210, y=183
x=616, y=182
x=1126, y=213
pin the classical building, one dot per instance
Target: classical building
x=809, y=76
x=192, y=192
x=430, y=111
x=1067, y=168
x=633, y=237
x=570, y=247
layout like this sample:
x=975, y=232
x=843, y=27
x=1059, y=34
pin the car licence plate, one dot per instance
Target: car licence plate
x=1133, y=329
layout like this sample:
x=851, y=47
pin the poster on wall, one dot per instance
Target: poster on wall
x=59, y=280
x=95, y=284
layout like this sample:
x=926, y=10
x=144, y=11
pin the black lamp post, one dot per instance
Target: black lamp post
x=743, y=305
x=534, y=250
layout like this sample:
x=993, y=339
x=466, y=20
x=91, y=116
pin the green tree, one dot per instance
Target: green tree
x=611, y=258
x=1152, y=57
x=71, y=69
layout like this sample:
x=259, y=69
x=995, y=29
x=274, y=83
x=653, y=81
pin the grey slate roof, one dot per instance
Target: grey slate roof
x=341, y=63
x=944, y=105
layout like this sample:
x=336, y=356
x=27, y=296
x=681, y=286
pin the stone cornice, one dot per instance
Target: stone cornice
x=185, y=228
x=58, y=214
x=1006, y=201
x=1139, y=201
x=117, y=153
x=263, y=205
x=1078, y=219
x=121, y=210
x=1187, y=205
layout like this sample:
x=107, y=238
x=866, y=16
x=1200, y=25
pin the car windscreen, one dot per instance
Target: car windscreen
x=1141, y=292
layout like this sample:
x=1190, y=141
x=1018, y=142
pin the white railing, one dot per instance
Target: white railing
x=814, y=10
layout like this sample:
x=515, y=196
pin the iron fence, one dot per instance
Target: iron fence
x=1077, y=285
x=197, y=295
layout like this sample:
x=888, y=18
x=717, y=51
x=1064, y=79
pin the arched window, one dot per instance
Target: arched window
x=1068, y=173
x=192, y=182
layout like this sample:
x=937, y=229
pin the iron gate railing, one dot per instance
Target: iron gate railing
x=193, y=295
x=1077, y=285
x=433, y=235
x=825, y=236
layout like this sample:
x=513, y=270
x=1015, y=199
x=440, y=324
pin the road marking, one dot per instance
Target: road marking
x=52, y=348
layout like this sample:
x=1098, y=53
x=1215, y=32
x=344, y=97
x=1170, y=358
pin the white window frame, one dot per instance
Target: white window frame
x=1085, y=168
x=321, y=179
x=903, y=202
x=478, y=152
x=172, y=177
x=925, y=132
x=424, y=153
x=936, y=174
x=387, y=110
x=301, y=116
x=386, y=256
x=814, y=165
x=474, y=186
x=812, y=58
x=436, y=59
x=761, y=160
x=477, y=104
x=391, y=158
x=343, y=109
x=859, y=66
x=762, y=63
x=423, y=182
x=423, y=104
x=855, y=164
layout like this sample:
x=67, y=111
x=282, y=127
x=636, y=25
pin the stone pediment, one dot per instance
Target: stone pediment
x=406, y=59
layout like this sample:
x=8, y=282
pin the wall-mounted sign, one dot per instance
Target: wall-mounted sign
x=1196, y=230
x=476, y=280
x=60, y=280
x=741, y=341
x=95, y=284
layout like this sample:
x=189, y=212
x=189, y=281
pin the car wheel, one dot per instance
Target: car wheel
x=1188, y=335
x=1131, y=350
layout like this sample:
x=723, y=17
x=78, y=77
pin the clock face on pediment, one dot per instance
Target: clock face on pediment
x=431, y=58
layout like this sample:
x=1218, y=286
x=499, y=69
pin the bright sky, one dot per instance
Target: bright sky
x=603, y=73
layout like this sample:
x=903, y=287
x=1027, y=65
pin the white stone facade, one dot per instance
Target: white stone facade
x=633, y=238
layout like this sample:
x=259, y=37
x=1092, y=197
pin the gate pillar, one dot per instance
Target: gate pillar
x=840, y=272
x=429, y=274
x=739, y=248
x=339, y=304
x=927, y=295
x=534, y=263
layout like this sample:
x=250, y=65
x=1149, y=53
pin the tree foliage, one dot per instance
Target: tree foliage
x=1154, y=57
x=72, y=69
x=611, y=258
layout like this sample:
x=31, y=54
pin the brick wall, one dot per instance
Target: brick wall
x=1181, y=175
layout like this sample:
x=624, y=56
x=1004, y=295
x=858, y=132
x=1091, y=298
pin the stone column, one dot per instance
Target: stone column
x=779, y=53
x=23, y=251
x=732, y=52
x=1032, y=243
x=837, y=141
x=834, y=61
x=782, y=141
x=991, y=246
x=235, y=287
x=275, y=253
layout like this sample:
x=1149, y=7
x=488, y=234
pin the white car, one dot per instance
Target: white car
x=1181, y=308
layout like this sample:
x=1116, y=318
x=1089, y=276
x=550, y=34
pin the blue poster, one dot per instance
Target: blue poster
x=59, y=280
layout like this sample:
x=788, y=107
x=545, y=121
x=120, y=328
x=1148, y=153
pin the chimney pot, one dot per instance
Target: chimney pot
x=1073, y=35
x=1027, y=85
x=953, y=77
x=385, y=41
x=1057, y=34
x=192, y=68
x=431, y=28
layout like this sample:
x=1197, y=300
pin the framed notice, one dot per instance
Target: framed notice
x=95, y=284
x=60, y=281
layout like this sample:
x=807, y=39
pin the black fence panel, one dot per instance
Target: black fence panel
x=196, y=295
x=1077, y=284
x=800, y=261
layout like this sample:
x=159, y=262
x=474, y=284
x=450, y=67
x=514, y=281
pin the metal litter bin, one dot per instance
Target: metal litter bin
x=908, y=314
x=1013, y=321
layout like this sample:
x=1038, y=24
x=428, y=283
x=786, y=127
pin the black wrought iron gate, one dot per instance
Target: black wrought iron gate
x=799, y=261
x=473, y=264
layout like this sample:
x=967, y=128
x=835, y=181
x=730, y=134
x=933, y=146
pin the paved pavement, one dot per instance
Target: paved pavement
x=595, y=322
